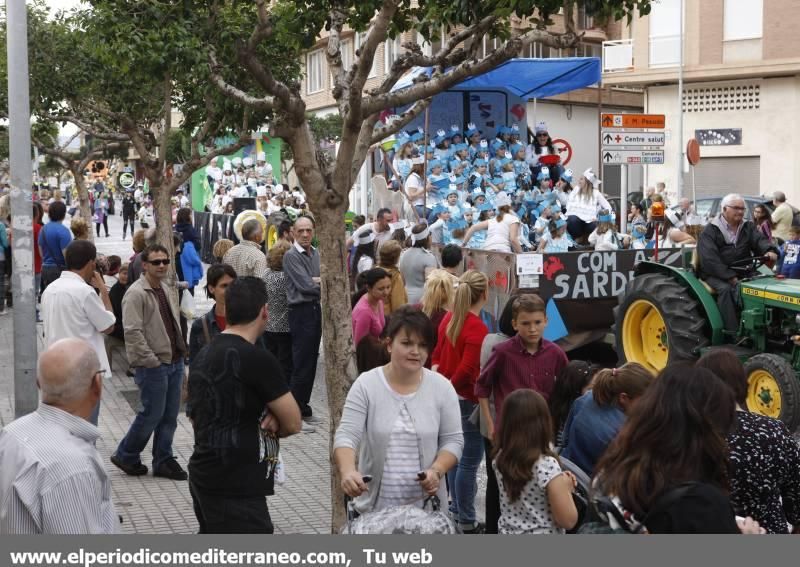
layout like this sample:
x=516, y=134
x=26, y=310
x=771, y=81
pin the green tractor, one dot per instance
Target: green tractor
x=667, y=315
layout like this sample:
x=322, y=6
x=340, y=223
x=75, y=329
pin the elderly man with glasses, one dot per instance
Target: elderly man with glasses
x=726, y=243
x=155, y=347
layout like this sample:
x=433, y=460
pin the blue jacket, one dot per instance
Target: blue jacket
x=191, y=264
x=589, y=429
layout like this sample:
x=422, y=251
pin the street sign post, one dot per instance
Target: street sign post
x=633, y=121
x=623, y=138
x=628, y=157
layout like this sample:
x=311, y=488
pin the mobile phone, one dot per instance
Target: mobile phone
x=421, y=475
x=366, y=477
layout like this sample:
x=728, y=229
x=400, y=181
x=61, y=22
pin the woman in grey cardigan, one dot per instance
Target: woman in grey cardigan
x=403, y=420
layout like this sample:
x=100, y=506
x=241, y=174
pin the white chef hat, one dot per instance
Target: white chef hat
x=261, y=191
x=247, y=162
x=261, y=156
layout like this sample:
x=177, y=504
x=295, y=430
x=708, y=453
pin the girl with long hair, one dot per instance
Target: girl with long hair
x=572, y=382
x=763, y=221
x=597, y=416
x=535, y=494
x=457, y=357
x=675, y=438
x=389, y=255
x=368, y=317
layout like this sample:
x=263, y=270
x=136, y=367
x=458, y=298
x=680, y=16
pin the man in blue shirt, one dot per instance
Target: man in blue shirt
x=53, y=240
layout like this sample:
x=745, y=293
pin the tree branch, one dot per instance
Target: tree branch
x=334, y=53
x=406, y=118
x=266, y=103
x=197, y=161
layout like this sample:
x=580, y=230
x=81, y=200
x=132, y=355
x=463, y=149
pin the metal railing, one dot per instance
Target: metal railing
x=617, y=55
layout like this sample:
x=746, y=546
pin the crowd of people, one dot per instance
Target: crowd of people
x=437, y=392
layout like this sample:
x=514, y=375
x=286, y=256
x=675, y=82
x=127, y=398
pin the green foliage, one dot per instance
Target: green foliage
x=178, y=146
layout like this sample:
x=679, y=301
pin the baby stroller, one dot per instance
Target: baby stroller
x=405, y=519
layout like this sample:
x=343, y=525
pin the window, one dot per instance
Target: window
x=665, y=30
x=359, y=39
x=743, y=19
x=391, y=51
x=314, y=73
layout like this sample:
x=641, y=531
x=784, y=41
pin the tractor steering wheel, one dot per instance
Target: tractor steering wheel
x=748, y=265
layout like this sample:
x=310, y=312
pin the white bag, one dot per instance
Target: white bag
x=187, y=305
x=280, y=471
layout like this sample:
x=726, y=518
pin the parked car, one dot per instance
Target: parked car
x=710, y=207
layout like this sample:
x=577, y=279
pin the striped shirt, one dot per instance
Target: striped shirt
x=52, y=480
x=399, y=484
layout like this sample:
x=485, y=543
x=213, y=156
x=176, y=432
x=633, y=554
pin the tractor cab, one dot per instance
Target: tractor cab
x=668, y=315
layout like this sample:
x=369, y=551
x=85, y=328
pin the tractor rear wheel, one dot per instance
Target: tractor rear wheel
x=658, y=323
x=772, y=389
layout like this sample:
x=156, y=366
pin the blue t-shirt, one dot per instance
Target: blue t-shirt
x=589, y=429
x=53, y=238
x=790, y=264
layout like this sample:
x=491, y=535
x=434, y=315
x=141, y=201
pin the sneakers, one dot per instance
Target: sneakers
x=132, y=470
x=171, y=469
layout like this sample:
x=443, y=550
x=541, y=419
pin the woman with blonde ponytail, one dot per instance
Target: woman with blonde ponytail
x=457, y=357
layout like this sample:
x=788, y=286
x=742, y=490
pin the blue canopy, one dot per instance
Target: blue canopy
x=526, y=78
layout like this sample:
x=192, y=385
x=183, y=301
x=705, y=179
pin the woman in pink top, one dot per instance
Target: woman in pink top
x=368, y=316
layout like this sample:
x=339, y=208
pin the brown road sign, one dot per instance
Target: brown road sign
x=632, y=121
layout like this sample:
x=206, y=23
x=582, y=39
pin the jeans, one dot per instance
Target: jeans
x=305, y=323
x=463, y=479
x=217, y=514
x=577, y=228
x=2, y=284
x=160, y=389
x=492, y=491
x=280, y=345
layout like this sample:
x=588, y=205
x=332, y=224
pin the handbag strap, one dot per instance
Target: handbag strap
x=206, y=333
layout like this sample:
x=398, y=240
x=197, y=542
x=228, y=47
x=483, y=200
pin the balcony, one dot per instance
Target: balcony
x=665, y=51
x=617, y=55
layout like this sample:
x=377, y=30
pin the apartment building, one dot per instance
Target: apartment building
x=572, y=116
x=740, y=95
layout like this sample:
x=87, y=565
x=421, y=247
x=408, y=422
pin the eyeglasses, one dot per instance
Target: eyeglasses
x=164, y=262
x=543, y=134
x=735, y=208
x=101, y=372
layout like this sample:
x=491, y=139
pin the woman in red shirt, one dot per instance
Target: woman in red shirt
x=457, y=356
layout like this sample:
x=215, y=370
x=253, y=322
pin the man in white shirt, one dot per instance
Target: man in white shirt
x=782, y=216
x=183, y=200
x=380, y=228
x=71, y=307
x=52, y=480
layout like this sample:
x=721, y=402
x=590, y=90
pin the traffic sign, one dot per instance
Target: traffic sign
x=626, y=157
x=632, y=121
x=613, y=138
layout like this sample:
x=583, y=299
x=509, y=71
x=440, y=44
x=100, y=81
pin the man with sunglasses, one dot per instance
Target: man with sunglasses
x=726, y=241
x=77, y=304
x=52, y=478
x=155, y=347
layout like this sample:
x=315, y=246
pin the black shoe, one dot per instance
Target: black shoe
x=171, y=469
x=130, y=373
x=133, y=470
x=479, y=528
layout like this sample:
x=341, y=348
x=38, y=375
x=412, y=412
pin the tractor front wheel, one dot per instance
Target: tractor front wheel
x=772, y=389
x=658, y=323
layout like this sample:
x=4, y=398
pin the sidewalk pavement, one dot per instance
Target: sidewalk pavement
x=160, y=506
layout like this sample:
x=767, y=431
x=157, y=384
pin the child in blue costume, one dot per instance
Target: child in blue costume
x=790, y=255
x=557, y=239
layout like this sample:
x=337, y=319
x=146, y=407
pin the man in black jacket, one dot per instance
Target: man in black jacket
x=128, y=212
x=725, y=240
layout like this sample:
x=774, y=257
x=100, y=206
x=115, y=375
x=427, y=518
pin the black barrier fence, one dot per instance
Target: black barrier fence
x=585, y=285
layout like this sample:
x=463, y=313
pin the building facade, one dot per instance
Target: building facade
x=740, y=95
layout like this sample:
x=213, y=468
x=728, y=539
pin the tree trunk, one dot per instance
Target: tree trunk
x=161, y=192
x=337, y=333
x=83, y=201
